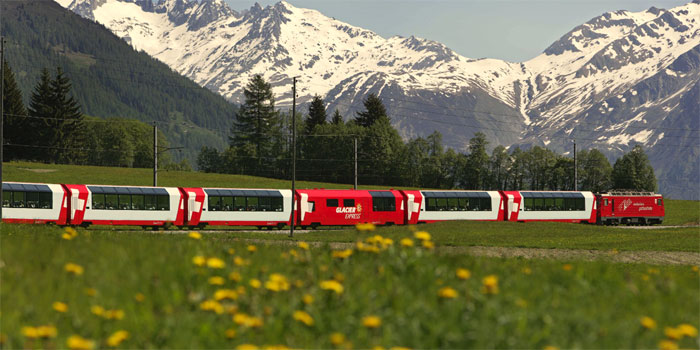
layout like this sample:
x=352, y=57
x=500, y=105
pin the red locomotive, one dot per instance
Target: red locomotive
x=84, y=205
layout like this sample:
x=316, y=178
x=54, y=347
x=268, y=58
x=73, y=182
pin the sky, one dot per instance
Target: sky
x=511, y=30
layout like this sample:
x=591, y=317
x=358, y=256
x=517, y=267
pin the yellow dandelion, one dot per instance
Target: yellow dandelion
x=341, y=254
x=235, y=276
x=447, y=293
x=212, y=305
x=139, y=297
x=115, y=314
x=371, y=321
x=215, y=263
x=59, y=306
x=307, y=299
x=332, y=285
x=550, y=347
x=645, y=277
x=337, y=338
x=428, y=244
x=73, y=268
x=230, y=333
x=673, y=333
x=91, y=292
x=199, y=260
x=463, y=274
x=378, y=347
x=195, y=235
x=117, y=338
x=303, y=317
x=688, y=330
x=668, y=345
x=222, y=294
x=406, y=242
x=276, y=347
x=66, y=236
x=47, y=331
x=365, y=227
x=97, y=310
x=695, y=268
x=422, y=235
x=303, y=245
x=567, y=267
x=216, y=280
x=231, y=251
x=490, y=284
x=30, y=332
x=526, y=270
x=247, y=347
x=252, y=248
x=399, y=348
x=647, y=322
x=255, y=283
x=69, y=233
x=76, y=342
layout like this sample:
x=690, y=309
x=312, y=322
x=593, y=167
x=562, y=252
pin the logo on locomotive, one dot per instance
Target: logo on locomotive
x=351, y=213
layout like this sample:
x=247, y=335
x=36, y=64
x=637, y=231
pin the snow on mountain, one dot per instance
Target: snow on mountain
x=607, y=82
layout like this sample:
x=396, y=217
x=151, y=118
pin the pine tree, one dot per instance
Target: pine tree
x=257, y=123
x=317, y=115
x=68, y=122
x=337, y=118
x=40, y=108
x=374, y=109
x=14, y=115
x=476, y=173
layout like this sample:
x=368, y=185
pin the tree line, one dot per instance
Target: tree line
x=260, y=144
x=52, y=129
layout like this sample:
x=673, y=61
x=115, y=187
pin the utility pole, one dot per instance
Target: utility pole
x=155, y=154
x=2, y=115
x=575, y=169
x=355, y=139
x=294, y=151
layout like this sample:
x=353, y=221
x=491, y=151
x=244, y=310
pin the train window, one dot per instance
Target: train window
x=529, y=203
x=227, y=203
x=464, y=204
x=32, y=199
x=264, y=204
x=452, y=204
x=486, y=204
x=580, y=204
x=239, y=203
x=549, y=204
x=276, y=203
x=441, y=204
x=124, y=201
x=98, y=201
x=658, y=201
x=110, y=201
x=137, y=202
x=150, y=202
x=348, y=202
x=605, y=202
x=6, y=198
x=163, y=202
x=45, y=200
x=558, y=203
x=432, y=204
x=251, y=203
x=18, y=200
x=331, y=203
x=214, y=203
x=383, y=204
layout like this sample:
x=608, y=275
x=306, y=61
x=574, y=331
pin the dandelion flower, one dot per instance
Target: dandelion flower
x=365, y=227
x=399, y=348
x=337, y=338
x=216, y=280
x=490, y=284
x=59, y=306
x=567, y=267
x=195, y=235
x=307, y=299
x=69, y=233
x=212, y=305
x=97, y=310
x=230, y=333
x=303, y=317
x=341, y=254
x=688, y=330
x=447, y=293
x=277, y=282
x=115, y=314
x=463, y=274
x=422, y=235
x=47, y=331
x=303, y=245
x=222, y=294
x=647, y=322
x=73, y=268
x=673, y=333
x=550, y=347
x=117, y=338
x=91, y=292
x=235, y=276
x=332, y=285
x=139, y=297
x=526, y=270
x=371, y=321
x=30, y=332
x=252, y=248
x=199, y=260
x=76, y=342
x=215, y=263
x=406, y=242
x=255, y=283
x=428, y=244
x=247, y=347
x=668, y=345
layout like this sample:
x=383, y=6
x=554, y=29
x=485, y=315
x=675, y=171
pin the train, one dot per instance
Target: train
x=198, y=207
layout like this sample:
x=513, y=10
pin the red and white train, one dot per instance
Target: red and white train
x=84, y=205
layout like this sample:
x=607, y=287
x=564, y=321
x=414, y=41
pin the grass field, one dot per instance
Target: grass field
x=150, y=286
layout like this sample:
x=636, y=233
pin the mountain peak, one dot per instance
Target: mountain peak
x=209, y=11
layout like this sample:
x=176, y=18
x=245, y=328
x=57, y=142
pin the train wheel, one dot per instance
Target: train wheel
x=315, y=225
x=280, y=226
x=259, y=227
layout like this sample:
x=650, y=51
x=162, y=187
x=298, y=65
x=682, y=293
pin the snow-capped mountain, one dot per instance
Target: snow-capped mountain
x=619, y=79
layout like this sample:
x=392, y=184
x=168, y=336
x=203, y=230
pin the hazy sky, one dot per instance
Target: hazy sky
x=513, y=30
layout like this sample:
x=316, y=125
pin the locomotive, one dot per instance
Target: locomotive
x=197, y=207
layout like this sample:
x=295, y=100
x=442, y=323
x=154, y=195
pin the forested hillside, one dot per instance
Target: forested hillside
x=109, y=78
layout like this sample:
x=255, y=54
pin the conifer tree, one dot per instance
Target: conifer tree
x=36, y=134
x=68, y=122
x=14, y=114
x=337, y=119
x=374, y=109
x=317, y=115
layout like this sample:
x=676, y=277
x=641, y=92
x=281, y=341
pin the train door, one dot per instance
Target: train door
x=76, y=204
